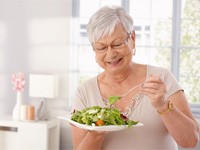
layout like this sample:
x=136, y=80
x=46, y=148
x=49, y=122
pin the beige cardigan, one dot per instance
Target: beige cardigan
x=152, y=136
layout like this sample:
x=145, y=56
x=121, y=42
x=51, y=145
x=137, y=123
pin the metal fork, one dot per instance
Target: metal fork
x=131, y=90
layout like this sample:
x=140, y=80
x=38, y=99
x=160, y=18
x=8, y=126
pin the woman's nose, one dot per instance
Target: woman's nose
x=111, y=52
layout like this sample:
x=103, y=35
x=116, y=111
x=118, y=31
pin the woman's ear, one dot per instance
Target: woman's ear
x=132, y=36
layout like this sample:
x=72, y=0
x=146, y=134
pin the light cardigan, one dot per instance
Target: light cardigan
x=152, y=136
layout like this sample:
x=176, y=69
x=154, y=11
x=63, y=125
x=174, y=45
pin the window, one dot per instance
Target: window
x=167, y=35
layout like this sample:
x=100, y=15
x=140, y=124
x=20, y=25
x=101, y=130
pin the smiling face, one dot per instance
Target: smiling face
x=114, y=53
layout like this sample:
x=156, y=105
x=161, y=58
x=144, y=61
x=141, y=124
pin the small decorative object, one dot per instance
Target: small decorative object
x=18, y=81
x=23, y=113
x=27, y=113
x=30, y=112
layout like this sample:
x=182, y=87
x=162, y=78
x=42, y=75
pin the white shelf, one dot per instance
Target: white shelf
x=29, y=135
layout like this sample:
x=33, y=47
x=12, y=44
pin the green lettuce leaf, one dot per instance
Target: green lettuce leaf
x=113, y=99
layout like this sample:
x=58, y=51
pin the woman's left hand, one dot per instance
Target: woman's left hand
x=155, y=89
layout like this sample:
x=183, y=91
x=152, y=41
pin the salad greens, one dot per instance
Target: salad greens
x=97, y=116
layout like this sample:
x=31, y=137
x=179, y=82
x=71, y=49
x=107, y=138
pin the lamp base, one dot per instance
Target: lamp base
x=42, y=111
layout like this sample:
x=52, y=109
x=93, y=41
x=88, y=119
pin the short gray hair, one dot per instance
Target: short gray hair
x=103, y=22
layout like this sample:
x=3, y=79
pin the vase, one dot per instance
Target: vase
x=17, y=107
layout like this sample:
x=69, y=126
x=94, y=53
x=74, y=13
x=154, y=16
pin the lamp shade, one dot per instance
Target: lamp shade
x=43, y=85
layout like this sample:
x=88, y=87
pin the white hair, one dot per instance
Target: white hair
x=103, y=22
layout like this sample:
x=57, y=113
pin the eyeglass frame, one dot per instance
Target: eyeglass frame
x=125, y=42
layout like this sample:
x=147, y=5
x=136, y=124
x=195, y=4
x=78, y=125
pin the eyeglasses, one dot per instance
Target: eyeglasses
x=117, y=44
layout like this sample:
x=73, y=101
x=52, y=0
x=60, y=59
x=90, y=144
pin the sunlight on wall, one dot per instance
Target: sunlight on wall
x=47, y=31
x=3, y=37
x=48, y=37
x=3, y=80
x=2, y=34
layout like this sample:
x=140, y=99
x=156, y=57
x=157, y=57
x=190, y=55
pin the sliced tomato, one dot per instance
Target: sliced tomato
x=99, y=122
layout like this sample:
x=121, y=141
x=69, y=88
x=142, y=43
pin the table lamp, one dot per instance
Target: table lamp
x=44, y=86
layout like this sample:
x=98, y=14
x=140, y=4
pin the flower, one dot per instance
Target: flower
x=18, y=81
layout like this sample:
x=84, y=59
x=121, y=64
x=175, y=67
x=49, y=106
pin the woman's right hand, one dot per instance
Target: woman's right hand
x=87, y=139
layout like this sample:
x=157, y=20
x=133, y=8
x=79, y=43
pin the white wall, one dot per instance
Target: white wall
x=34, y=39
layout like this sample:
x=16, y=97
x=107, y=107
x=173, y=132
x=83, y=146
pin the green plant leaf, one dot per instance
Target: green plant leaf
x=113, y=99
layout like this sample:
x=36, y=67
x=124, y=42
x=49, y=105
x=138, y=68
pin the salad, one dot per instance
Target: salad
x=98, y=116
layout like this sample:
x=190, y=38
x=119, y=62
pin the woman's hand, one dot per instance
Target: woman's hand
x=155, y=89
x=86, y=139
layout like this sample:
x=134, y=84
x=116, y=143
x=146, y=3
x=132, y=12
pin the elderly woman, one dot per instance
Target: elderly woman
x=157, y=99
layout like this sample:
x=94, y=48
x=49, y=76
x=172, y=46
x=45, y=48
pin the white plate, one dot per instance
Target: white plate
x=97, y=128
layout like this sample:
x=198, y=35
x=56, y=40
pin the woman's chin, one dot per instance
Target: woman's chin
x=115, y=70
